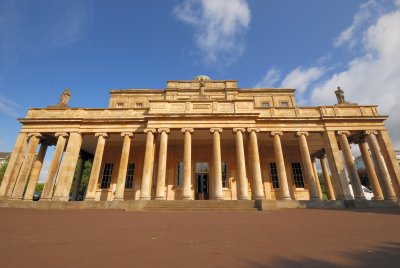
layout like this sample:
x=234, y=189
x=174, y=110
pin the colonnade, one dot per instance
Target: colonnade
x=25, y=163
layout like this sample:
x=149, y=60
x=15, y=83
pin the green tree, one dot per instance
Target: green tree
x=323, y=186
x=3, y=168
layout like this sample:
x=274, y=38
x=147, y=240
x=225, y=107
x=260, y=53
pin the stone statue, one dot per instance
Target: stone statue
x=64, y=98
x=340, y=96
x=202, y=86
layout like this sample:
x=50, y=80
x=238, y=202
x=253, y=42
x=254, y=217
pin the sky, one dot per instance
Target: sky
x=94, y=46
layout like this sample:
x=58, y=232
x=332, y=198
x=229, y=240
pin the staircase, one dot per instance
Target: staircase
x=201, y=205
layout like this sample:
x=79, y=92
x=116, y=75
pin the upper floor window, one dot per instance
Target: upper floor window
x=224, y=175
x=274, y=175
x=297, y=175
x=284, y=104
x=120, y=104
x=179, y=174
x=139, y=104
x=265, y=104
x=107, y=174
x=129, y=175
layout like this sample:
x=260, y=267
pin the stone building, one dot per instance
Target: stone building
x=202, y=139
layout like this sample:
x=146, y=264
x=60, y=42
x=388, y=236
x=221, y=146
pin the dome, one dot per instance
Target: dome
x=202, y=77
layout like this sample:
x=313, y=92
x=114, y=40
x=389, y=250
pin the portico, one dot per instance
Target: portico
x=202, y=139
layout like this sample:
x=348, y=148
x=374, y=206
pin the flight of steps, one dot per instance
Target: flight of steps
x=201, y=205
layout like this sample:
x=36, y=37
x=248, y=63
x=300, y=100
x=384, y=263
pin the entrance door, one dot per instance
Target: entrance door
x=202, y=186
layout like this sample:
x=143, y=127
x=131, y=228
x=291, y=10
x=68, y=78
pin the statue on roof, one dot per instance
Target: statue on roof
x=340, y=96
x=64, y=98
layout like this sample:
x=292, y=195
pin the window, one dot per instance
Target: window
x=139, y=105
x=129, y=175
x=120, y=104
x=224, y=175
x=265, y=104
x=297, y=175
x=274, y=175
x=284, y=104
x=107, y=173
x=179, y=174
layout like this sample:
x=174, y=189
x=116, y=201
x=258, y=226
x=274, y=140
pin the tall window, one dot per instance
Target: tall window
x=274, y=175
x=129, y=175
x=107, y=173
x=224, y=175
x=297, y=175
x=179, y=174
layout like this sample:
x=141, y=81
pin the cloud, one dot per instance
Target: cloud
x=9, y=107
x=270, y=79
x=219, y=26
x=301, y=78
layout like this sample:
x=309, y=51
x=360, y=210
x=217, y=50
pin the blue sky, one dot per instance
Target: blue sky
x=94, y=46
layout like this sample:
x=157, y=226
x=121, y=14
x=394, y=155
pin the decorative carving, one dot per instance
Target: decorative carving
x=64, y=99
x=343, y=132
x=251, y=129
x=212, y=130
x=279, y=133
x=305, y=133
x=243, y=130
x=374, y=132
x=184, y=130
x=152, y=130
x=129, y=134
x=103, y=134
x=166, y=130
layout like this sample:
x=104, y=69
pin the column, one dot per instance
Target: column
x=372, y=176
x=68, y=167
x=34, y=139
x=280, y=165
x=145, y=189
x=350, y=165
x=162, y=164
x=339, y=179
x=258, y=192
x=96, y=165
x=79, y=172
x=315, y=172
x=37, y=167
x=387, y=188
x=241, y=165
x=391, y=161
x=11, y=167
x=327, y=178
x=187, y=164
x=123, y=166
x=217, y=163
x=17, y=168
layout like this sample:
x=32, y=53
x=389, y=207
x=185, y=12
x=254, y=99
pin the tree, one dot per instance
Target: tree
x=363, y=175
x=3, y=168
x=323, y=186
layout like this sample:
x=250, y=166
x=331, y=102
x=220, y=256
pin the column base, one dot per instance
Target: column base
x=144, y=198
x=218, y=198
x=89, y=199
x=389, y=198
x=159, y=198
x=286, y=198
x=186, y=198
x=118, y=199
x=14, y=198
x=244, y=198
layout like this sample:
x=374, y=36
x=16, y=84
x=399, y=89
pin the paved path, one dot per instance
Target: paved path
x=286, y=238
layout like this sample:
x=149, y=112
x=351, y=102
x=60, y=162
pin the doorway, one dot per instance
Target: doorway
x=202, y=182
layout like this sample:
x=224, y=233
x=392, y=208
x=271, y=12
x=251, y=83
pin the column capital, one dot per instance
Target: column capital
x=34, y=134
x=300, y=133
x=187, y=129
x=152, y=130
x=212, y=130
x=129, y=134
x=368, y=132
x=343, y=132
x=102, y=134
x=243, y=130
x=251, y=129
x=166, y=130
x=274, y=133
x=64, y=134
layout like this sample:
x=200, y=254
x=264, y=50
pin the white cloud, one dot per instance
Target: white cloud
x=270, y=79
x=9, y=107
x=301, y=78
x=219, y=26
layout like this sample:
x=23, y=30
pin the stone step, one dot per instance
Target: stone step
x=201, y=205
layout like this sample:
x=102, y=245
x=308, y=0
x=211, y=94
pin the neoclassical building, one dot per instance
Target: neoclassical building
x=202, y=139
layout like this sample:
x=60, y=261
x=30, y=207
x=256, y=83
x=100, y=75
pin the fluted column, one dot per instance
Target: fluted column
x=241, y=165
x=316, y=178
x=26, y=166
x=327, y=178
x=48, y=188
x=145, y=189
x=255, y=165
x=123, y=166
x=78, y=179
x=96, y=165
x=387, y=188
x=13, y=166
x=68, y=167
x=350, y=165
x=217, y=189
x=187, y=164
x=37, y=167
x=369, y=166
x=308, y=172
x=280, y=165
x=162, y=164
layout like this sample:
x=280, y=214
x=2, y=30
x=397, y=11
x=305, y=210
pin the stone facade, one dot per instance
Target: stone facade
x=202, y=139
